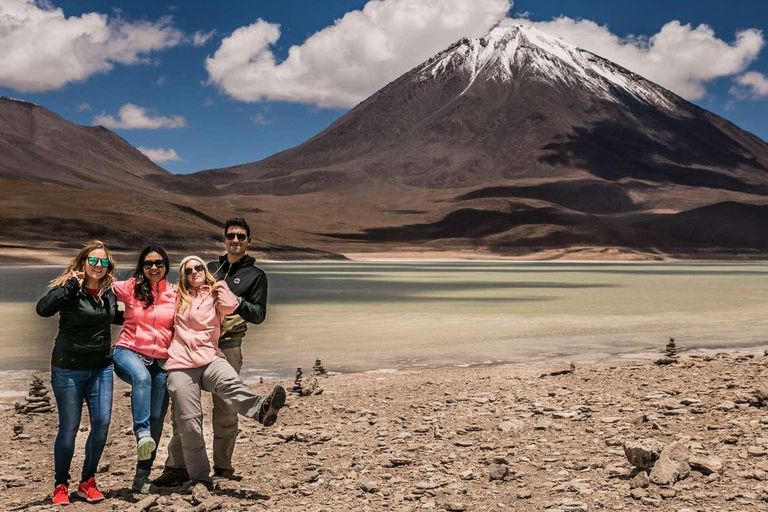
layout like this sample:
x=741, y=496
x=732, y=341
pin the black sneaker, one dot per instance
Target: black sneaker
x=271, y=405
x=172, y=477
x=227, y=474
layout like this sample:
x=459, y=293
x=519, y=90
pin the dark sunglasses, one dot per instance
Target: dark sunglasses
x=196, y=268
x=148, y=264
x=94, y=261
x=240, y=236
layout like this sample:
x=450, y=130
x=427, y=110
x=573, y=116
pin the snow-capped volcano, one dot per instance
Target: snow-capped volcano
x=507, y=53
x=513, y=139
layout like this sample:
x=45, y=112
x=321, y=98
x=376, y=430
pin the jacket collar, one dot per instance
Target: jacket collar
x=245, y=260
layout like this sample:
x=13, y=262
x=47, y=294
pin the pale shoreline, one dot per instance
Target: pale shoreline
x=44, y=256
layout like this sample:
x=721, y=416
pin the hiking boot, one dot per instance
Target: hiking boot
x=61, y=495
x=143, y=485
x=145, y=447
x=89, y=492
x=172, y=477
x=271, y=405
x=227, y=474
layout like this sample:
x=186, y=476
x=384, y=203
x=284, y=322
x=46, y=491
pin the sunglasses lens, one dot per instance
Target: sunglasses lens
x=105, y=262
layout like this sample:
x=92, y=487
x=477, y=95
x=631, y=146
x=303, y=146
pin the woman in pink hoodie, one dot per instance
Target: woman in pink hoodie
x=195, y=362
x=142, y=350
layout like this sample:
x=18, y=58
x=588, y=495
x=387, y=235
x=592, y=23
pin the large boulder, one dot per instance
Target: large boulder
x=672, y=464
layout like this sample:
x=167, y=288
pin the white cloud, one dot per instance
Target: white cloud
x=260, y=119
x=346, y=62
x=750, y=85
x=682, y=58
x=161, y=80
x=160, y=155
x=83, y=107
x=208, y=102
x=200, y=38
x=43, y=49
x=132, y=117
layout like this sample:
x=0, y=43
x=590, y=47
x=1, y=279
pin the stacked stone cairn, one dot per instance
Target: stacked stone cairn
x=307, y=387
x=671, y=349
x=319, y=368
x=297, y=382
x=37, y=401
x=670, y=354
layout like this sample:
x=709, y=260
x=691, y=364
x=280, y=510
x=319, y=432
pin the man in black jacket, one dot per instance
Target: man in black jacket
x=249, y=283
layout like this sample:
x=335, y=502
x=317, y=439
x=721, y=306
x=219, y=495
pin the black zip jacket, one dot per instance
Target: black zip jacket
x=84, y=339
x=249, y=283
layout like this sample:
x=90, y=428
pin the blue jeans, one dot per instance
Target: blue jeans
x=71, y=388
x=149, y=397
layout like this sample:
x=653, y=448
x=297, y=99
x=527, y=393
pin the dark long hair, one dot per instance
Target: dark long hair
x=142, y=290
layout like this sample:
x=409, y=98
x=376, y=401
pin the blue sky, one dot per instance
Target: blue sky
x=222, y=123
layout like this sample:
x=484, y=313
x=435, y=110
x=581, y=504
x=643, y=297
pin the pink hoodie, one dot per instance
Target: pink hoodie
x=147, y=331
x=196, y=338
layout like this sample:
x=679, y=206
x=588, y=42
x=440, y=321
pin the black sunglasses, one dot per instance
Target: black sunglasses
x=197, y=268
x=240, y=236
x=148, y=264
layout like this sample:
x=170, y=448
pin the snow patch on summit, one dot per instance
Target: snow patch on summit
x=509, y=51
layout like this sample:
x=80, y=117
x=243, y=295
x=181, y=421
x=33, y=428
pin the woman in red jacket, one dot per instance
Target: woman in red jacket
x=142, y=350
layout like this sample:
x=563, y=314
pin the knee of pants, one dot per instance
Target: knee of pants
x=101, y=424
x=141, y=380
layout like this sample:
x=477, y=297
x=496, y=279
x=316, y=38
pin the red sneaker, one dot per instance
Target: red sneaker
x=61, y=495
x=89, y=492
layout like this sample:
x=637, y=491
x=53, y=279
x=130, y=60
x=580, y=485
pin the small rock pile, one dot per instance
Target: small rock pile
x=307, y=387
x=670, y=354
x=297, y=382
x=663, y=466
x=318, y=368
x=37, y=401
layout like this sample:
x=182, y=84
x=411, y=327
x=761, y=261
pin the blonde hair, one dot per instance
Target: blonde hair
x=185, y=299
x=78, y=265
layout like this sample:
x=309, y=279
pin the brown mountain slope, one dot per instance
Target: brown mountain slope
x=37, y=144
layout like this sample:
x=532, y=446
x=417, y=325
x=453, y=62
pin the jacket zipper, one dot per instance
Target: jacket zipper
x=154, y=318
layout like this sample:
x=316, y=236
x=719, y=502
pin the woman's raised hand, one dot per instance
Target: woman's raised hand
x=79, y=275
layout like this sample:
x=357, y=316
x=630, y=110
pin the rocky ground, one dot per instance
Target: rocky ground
x=628, y=435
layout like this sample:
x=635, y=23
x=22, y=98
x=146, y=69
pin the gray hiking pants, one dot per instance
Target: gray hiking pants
x=184, y=386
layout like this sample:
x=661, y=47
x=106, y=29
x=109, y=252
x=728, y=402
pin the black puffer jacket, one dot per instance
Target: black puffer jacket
x=84, y=338
x=249, y=283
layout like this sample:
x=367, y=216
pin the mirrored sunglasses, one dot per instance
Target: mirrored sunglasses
x=94, y=261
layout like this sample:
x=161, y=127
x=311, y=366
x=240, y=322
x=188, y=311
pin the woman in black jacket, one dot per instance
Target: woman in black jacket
x=81, y=365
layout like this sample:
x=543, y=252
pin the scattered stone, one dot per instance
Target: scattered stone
x=145, y=504
x=726, y=406
x=455, y=507
x=368, y=486
x=570, y=369
x=705, y=465
x=640, y=481
x=643, y=454
x=498, y=471
x=199, y=493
